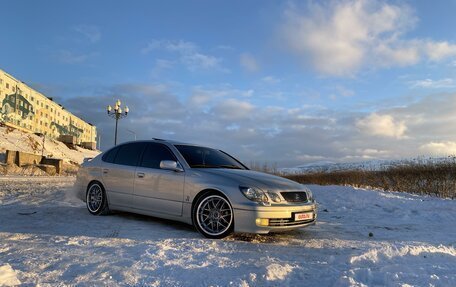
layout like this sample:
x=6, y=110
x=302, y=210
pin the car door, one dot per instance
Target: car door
x=118, y=171
x=158, y=190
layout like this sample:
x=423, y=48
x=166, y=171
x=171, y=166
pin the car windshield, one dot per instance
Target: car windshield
x=203, y=157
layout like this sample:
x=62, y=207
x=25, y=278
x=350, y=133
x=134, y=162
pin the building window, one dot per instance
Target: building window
x=7, y=85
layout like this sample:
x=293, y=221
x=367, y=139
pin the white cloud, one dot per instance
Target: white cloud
x=248, y=62
x=197, y=60
x=69, y=57
x=288, y=136
x=188, y=52
x=233, y=109
x=341, y=37
x=270, y=80
x=439, y=148
x=91, y=32
x=433, y=84
x=440, y=50
x=381, y=125
x=344, y=92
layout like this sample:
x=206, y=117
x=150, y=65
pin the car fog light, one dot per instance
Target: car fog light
x=262, y=221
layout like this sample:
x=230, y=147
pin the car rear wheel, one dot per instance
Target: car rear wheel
x=213, y=216
x=96, y=200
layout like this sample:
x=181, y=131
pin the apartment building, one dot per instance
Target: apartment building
x=24, y=108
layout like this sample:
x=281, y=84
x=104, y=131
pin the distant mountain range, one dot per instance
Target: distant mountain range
x=372, y=165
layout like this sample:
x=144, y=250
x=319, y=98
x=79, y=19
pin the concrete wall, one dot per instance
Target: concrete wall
x=22, y=159
x=67, y=139
x=10, y=157
x=57, y=163
x=89, y=145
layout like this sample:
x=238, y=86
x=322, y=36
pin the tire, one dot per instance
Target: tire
x=213, y=216
x=96, y=200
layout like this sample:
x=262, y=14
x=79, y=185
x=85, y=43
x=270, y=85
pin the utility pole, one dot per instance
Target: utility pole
x=42, y=149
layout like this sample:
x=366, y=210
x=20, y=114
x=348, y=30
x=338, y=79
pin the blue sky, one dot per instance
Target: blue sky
x=285, y=82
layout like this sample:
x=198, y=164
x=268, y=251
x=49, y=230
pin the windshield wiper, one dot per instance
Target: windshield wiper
x=229, y=166
x=202, y=166
x=215, y=166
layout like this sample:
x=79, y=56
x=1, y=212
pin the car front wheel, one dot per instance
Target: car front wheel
x=213, y=216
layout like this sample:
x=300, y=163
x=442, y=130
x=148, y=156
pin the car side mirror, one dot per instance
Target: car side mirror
x=171, y=165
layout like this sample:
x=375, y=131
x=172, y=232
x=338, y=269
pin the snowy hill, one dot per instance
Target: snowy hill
x=371, y=165
x=12, y=139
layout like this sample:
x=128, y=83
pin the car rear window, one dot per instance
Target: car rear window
x=110, y=155
x=129, y=154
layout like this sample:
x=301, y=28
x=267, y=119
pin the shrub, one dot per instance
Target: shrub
x=430, y=178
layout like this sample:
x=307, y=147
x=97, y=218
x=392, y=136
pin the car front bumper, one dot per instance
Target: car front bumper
x=265, y=219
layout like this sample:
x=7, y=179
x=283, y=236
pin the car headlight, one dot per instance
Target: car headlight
x=274, y=196
x=254, y=194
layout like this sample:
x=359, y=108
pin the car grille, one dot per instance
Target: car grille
x=295, y=196
x=287, y=222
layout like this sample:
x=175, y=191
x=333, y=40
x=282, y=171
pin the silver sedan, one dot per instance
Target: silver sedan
x=197, y=185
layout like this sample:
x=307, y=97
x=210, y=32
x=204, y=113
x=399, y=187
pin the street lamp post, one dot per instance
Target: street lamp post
x=117, y=114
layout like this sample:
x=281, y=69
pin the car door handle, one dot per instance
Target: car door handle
x=141, y=174
x=105, y=170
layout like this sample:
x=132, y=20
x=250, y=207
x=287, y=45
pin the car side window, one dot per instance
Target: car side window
x=110, y=155
x=129, y=154
x=154, y=154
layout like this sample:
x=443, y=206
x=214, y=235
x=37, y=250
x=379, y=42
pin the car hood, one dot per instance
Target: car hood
x=253, y=178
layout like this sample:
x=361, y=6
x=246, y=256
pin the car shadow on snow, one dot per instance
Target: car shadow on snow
x=54, y=220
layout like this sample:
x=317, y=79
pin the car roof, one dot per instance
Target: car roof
x=172, y=142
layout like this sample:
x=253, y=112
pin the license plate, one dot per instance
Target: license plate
x=303, y=216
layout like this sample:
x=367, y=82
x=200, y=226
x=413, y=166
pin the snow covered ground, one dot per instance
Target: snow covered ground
x=47, y=237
